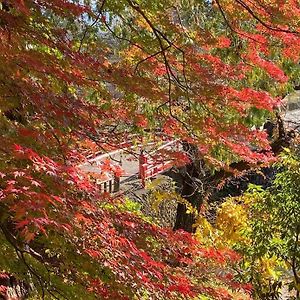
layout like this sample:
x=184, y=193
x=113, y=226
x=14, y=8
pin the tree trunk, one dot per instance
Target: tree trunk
x=189, y=189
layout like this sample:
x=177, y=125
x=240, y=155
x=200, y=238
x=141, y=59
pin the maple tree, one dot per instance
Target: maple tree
x=79, y=75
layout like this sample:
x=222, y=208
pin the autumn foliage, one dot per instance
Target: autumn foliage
x=92, y=76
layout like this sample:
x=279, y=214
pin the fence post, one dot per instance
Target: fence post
x=142, y=162
x=116, y=184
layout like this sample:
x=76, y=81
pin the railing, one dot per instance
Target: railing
x=150, y=167
x=110, y=186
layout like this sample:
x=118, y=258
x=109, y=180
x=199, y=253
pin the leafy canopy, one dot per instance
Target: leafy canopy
x=91, y=75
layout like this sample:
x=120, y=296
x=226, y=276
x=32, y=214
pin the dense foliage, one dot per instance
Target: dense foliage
x=274, y=214
x=91, y=75
x=263, y=226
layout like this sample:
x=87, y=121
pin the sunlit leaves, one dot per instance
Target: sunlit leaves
x=75, y=81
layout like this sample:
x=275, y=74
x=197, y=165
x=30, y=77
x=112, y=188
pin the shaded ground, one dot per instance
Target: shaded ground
x=165, y=214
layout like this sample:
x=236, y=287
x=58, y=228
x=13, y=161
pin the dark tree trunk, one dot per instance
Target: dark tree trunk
x=189, y=189
x=190, y=193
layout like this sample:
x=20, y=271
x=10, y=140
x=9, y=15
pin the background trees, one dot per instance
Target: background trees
x=262, y=225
